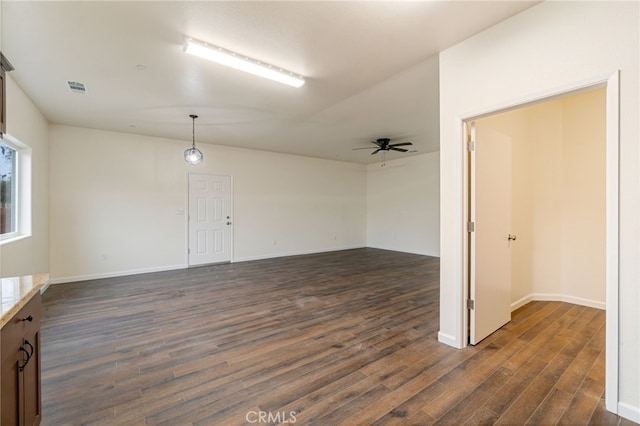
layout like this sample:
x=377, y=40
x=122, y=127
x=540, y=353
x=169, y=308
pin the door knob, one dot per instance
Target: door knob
x=512, y=237
x=228, y=223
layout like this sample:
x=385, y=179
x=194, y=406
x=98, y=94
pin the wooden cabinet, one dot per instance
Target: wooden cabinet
x=20, y=366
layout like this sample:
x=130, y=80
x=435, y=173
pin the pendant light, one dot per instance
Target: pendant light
x=193, y=155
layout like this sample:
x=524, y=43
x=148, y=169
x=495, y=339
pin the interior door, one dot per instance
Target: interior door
x=210, y=222
x=490, y=211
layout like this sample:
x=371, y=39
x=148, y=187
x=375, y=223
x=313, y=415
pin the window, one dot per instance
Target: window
x=15, y=190
x=8, y=191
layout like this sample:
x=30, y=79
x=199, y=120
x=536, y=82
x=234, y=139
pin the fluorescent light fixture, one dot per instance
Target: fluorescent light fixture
x=242, y=63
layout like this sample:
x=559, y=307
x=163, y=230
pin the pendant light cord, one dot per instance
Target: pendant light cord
x=193, y=130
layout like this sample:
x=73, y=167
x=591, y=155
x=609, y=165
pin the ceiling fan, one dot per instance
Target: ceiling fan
x=383, y=144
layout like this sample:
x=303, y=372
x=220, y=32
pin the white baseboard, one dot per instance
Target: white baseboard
x=448, y=339
x=115, y=274
x=628, y=411
x=297, y=253
x=557, y=298
x=521, y=302
x=88, y=277
x=421, y=253
x=45, y=286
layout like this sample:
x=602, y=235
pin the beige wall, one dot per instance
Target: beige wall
x=545, y=144
x=584, y=196
x=118, y=203
x=25, y=123
x=558, y=199
x=402, y=205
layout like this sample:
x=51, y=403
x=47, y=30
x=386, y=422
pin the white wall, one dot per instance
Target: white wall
x=25, y=123
x=118, y=203
x=552, y=45
x=558, y=195
x=403, y=213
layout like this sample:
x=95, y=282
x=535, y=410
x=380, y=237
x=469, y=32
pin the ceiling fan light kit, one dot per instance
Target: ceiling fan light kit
x=242, y=63
x=193, y=155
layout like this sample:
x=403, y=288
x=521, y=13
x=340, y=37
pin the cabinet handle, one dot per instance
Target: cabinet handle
x=29, y=355
x=31, y=346
x=21, y=367
x=29, y=318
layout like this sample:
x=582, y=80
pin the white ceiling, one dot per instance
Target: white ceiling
x=371, y=68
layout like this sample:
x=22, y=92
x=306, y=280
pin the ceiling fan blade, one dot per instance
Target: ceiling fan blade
x=376, y=151
x=401, y=144
x=366, y=147
x=398, y=149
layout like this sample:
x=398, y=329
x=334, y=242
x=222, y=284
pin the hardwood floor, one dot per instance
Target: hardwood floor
x=334, y=338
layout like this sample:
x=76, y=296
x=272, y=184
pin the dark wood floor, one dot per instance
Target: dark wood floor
x=336, y=338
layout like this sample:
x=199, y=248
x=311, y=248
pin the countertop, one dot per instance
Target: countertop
x=15, y=292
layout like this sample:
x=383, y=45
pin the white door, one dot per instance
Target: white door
x=210, y=222
x=490, y=210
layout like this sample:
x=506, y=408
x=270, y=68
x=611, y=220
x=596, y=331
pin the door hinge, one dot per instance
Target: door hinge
x=471, y=146
x=188, y=251
x=471, y=226
x=470, y=304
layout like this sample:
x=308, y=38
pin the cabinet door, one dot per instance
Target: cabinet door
x=30, y=382
x=20, y=368
x=10, y=375
x=31, y=371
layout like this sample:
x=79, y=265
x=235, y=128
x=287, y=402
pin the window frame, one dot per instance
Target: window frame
x=15, y=199
x=22, y=190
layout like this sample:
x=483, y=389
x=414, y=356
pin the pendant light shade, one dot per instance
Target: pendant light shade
x=193, y=155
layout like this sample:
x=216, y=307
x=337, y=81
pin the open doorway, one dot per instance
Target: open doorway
x=537, y=205
x=612, y=237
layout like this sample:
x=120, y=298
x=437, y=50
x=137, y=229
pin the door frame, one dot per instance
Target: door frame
x=612, y=84
x=187, y=229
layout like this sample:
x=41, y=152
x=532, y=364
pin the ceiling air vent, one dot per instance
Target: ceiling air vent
x=77, y=87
